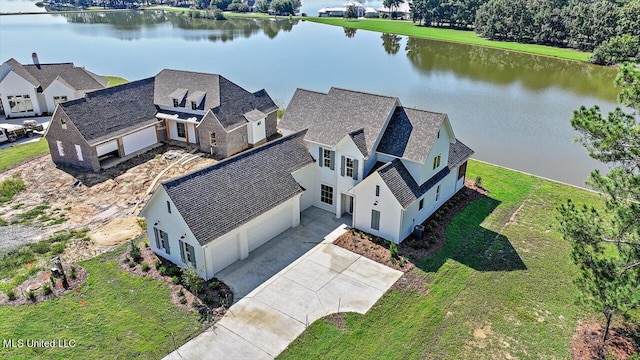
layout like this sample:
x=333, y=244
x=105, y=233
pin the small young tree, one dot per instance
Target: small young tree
x=192, y=280
x=606, y=246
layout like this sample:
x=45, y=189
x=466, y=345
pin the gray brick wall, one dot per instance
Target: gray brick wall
x=70, y=137
x=208, y=125
x=236, y=140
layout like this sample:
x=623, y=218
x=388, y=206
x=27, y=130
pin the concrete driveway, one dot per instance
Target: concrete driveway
x=293, y=280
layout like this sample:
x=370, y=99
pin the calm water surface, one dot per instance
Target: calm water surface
x=512, y=109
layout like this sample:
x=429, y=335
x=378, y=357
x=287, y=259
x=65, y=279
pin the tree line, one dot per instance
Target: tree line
x=609, y=28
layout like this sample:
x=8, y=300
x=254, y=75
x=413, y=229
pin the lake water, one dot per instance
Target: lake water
x=512, y=109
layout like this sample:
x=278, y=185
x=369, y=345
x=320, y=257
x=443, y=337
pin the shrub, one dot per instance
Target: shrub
x=134, y=252
x=156, y=264
x=174, y=271
x=195, y=303
x=478, y=181
x=192, y=280
x=222, y=302
x=145, y=267
x=73, y=272
x=30, y=295
x=11, y=294
x=393, y=250
x=142, y=223
x=46, y=289
x=163, y=271
x=183, y=300
x=208, y=299
x=175, y=280
x=42, y=247
x=58, y=248
x=214, y=284
x=10, y=187
x=180, y=292
x=132, y=264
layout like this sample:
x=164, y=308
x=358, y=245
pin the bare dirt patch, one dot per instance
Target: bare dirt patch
x=36, y=286
x=79, y=199
x=412, y=281
x=412, y=249
x=337, y=319
x=587, y=342
x=212, y=302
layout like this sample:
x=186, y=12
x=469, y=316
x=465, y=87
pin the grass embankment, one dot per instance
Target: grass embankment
x=16, y=155
x=115, y=80
x=450, y=35
x=228, y=14
x=501, y=287
x=114, y=315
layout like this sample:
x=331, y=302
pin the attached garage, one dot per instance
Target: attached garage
x=239, y=243
x=107, y=147
x=139, y=140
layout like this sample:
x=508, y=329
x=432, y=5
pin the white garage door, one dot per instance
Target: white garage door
x=139, y=140
x=224, y=253
x=107, y=147
x=266, y=229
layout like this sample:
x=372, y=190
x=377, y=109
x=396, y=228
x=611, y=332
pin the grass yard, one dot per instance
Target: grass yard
x=16, y=155
x=115, y=80
x=501, y=287
x=114, y=315
x=450, y=35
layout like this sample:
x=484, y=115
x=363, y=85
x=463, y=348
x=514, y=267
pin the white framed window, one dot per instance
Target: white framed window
x=187, y=253
x=436, y=162
x=194, y=105
x=60, y=147
x=377, y=190
x=437, y=192
x=375, y=219
x=79, y=153
x=176, y=103
x=212, y=138
x=348, y=167
x=421, y=204
x=326, y=158
x=162, y=240
x=20, y=103
x=326, y=194
x=182, y=131
x=59, y=99
x=168, y=207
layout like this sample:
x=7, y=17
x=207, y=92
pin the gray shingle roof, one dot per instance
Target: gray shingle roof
x=330, y=117
x=103, y=114
x=404, y=187
x=411, y=134
x=360, y=141
x=218, y=199
x=44, y=74
x=458, y=153
x=227, y=100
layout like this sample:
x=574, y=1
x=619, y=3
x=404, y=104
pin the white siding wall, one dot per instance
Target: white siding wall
x=57, y=89
x=423, y=172
x=341, y=184
x=412, y=216
x=389, y=208
x=13, y=84
x=236, y=244
x=139, y=140
x=190, y=131
x=173, y=224
x=256, y=133
x=307, y=178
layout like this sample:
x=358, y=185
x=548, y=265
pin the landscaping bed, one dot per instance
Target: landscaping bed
x=210, y=299
x=403, y=256
x=621, y=344
x=45, y=286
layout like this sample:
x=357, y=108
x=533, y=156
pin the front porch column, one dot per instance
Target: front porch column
x=243, y=244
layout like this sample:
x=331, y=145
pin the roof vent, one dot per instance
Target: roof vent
x=36, y=61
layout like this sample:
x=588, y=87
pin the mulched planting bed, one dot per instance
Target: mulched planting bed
x=412, y=249
x=40, y=285
x=211, y=302
x=587, y=343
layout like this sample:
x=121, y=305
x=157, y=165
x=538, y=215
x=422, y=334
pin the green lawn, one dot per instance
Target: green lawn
x=15, y=155
x=501, y=286
x=114, y=315
x=115, y=80
x=449, y=35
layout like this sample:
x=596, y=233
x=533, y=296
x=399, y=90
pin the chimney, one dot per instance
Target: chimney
x=36, y=62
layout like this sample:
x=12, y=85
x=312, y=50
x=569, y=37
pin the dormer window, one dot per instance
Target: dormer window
x=194, y=105
x=175, y=103
x=436, y=162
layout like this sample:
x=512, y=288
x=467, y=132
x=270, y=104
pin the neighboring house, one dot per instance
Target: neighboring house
x=361, y=10
x=344, y=151
x=402, y=11
x=206, y=111
x=35, y=89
